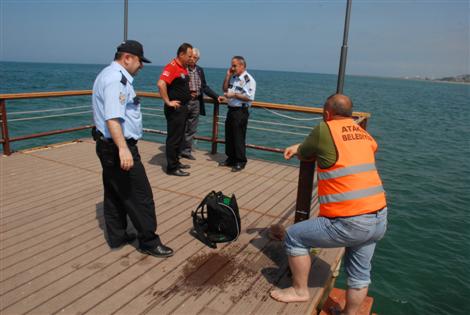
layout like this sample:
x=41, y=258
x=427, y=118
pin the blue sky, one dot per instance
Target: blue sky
x=387, y=38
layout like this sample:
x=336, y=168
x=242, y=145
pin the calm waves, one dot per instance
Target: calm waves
x=422, y=128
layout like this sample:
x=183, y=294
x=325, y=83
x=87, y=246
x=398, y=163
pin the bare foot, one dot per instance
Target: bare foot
x=290, y=295
x=277, y=232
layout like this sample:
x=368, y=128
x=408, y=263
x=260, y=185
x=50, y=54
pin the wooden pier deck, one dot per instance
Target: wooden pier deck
x=54, y=257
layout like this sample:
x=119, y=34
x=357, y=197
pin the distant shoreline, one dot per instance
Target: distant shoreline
x=437, y=81
x=462, y=78
x=291, y=71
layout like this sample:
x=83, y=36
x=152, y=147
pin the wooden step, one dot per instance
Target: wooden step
x=337, y=300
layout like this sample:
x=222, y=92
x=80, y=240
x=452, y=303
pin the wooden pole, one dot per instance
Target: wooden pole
x=5, y=136
x=304, y=191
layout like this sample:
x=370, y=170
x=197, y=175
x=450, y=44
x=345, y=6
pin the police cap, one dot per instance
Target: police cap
x=133, y=47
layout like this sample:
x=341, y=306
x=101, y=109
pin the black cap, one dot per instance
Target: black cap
x=133, y=47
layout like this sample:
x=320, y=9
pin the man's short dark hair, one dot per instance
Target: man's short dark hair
x=341, y=105
x=183, y=48
x=118, y=55
x=241, y=59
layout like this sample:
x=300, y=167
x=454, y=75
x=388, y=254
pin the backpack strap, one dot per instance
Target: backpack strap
x=199, y=221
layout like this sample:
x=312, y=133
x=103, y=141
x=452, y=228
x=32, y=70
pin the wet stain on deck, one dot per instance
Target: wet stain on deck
x=226, y=272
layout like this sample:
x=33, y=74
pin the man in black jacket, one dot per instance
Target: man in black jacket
x=196, y=106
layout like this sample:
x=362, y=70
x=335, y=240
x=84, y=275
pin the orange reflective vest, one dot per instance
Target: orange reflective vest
x=351, y=186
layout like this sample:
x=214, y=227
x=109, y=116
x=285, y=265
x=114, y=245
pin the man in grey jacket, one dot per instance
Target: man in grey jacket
x=196, y=106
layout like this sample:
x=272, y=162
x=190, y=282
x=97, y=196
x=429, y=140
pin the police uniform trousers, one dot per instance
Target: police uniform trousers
x=126, y=193
x=235, y=134
x=192, y=121
x=175, y=126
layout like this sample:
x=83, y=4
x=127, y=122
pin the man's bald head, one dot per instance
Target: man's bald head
x=338, y=105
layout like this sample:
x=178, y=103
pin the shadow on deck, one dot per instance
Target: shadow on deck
x=55, y=259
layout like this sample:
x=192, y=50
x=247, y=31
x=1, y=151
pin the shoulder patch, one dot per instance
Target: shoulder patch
x=123, y=79
x=247, y=78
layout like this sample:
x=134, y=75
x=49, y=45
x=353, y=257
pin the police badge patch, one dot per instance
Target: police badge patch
x=122, y=98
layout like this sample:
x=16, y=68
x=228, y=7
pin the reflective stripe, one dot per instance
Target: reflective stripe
x=347, y=171
x=351, y=195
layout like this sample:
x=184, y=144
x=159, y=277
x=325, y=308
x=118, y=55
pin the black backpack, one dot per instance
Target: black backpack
x=217, y=219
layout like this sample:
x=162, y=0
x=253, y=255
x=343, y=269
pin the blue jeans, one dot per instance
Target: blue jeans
x=359, y=234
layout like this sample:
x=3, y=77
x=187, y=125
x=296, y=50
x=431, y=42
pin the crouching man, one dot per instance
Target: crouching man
x=353, y=209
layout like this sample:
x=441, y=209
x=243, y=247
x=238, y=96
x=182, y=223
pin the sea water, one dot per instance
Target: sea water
x=422, y=129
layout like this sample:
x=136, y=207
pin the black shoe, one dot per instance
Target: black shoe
x=226, y=163
x=178, y=172
x=188, y=156
x=128, y=239
x=158, y=251
x=237, y=167
x=183, y=166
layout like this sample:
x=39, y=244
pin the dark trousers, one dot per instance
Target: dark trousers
x=235, y=134
x=175, y=126
x=127, y=193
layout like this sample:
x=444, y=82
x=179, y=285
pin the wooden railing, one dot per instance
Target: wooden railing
x=306, y=172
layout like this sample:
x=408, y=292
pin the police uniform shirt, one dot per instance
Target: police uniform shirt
x=243, y=84
x=114, y=97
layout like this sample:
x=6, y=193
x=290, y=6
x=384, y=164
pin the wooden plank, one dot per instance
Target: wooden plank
x=322, y=267
x=51, y=247
x=37, y=300
x=289, y=174
x=276, y=270
x=208, y=272
x=113, y=266
x=162, y=285
x=277, y=169
x=33, y=215
x=57, y=192
x=219, y=290
x=73, y=216
x=287, y=192
x=31, y=184
x=45, y=273
x=127, y=292
x=270, y=191
x=40, y=269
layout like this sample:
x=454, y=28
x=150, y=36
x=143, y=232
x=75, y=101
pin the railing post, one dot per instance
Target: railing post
x=215, y=128
x=304, y=191
x=363, y=124
x=5, y=137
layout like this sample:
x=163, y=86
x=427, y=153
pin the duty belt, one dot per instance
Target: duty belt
x=98, y=136
x=244, y=105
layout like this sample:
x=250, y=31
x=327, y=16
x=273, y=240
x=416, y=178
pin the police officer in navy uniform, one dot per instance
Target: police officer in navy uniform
x=239, y=92
x=118, y=119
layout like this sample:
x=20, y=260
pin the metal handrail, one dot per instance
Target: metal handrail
x=285, y=107
x=306, y=169
x=6, y=140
